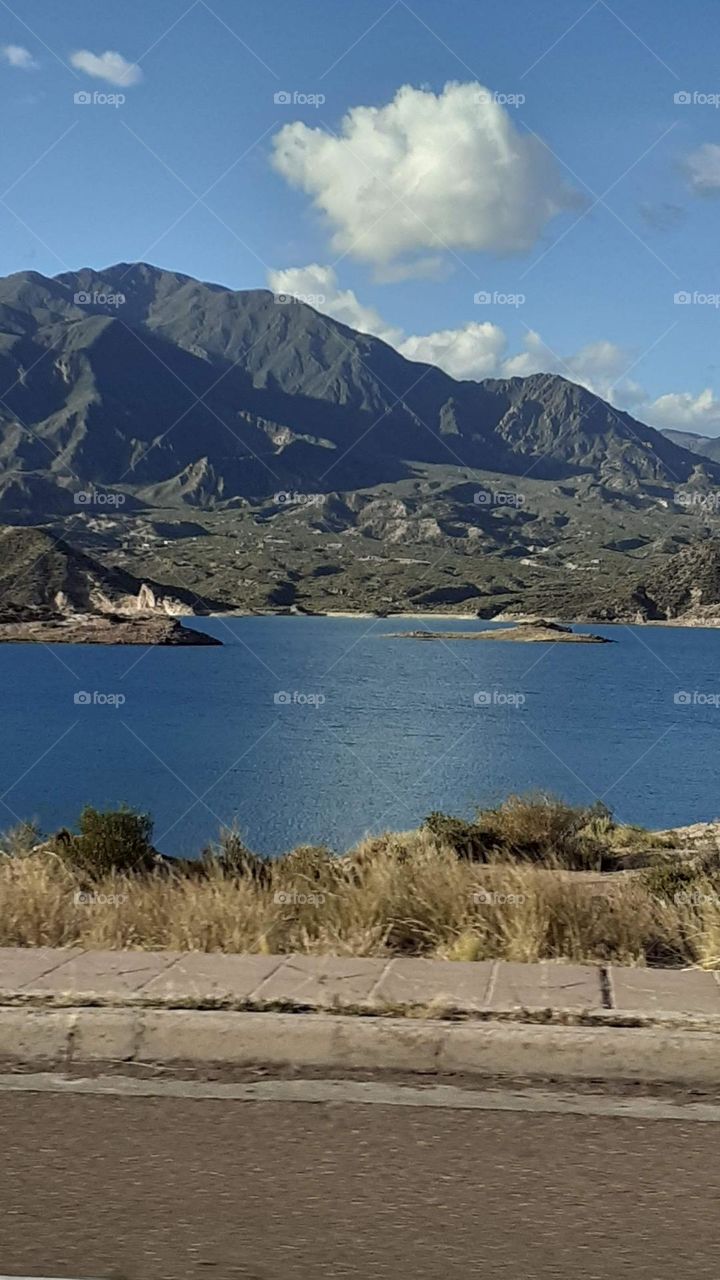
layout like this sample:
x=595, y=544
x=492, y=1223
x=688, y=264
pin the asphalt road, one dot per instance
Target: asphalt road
x=147, y=1188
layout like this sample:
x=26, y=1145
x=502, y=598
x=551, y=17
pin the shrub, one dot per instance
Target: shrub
x=114, y=841
x=666, y=880
x=539, y=828
x=466, y=839
x=309, y=862
x=534, y=828
x=639, y=840
x=232, y=857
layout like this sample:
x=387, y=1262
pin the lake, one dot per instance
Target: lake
x=309, y=730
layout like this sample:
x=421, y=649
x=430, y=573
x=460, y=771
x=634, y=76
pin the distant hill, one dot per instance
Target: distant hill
x=42, y=577
x=686, y=589
x=706, y=446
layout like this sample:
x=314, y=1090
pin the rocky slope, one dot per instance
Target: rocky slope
x=51, y=592
x=686, y=590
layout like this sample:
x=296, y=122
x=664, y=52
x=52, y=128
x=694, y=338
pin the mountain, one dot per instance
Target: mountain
x=179, y=392
x=260, y=455
x=42, y=577
x=706, y=446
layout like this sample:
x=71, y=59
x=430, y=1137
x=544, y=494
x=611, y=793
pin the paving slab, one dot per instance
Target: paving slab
x=335, y=981
x=546, y=986
x=211, y=975
x=421, y=982
x=22, y=966
x=103, y=973
x=322, y=981
x=664, y=991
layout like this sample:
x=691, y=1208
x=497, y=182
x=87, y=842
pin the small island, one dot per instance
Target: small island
x=103, y=629
x=536, y=632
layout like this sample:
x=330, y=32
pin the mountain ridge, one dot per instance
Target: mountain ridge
x=322, y=469
x=706, y=446
x=265, y=395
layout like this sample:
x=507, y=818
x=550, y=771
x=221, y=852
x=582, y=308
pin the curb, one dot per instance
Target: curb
x=77, y=1036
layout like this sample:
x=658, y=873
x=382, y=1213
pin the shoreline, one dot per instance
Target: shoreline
x=499, y=621
x=171, y=631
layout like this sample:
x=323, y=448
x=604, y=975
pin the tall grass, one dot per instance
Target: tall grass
x=397, y=894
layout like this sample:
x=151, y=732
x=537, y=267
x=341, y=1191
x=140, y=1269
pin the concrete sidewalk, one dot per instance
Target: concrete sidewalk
x=341, y=983
x=566, y=1021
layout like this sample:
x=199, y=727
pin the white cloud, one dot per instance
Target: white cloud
x=703, y=169
x=426, y=172
x=316, y=282
x=480, y=349
x=19, y=57
x=685, y=412
x=107, y=66
x=433, y=267
x=475, y=351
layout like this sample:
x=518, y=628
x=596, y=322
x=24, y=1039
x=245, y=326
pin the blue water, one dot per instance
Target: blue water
x=200, y=739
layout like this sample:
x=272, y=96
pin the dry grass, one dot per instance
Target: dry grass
x=402, y=893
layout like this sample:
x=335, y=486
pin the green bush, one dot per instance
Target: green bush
x=115, y=841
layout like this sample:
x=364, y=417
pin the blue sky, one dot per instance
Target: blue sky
x=556, y=170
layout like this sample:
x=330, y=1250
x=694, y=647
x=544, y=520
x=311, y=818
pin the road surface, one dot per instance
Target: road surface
x=123, y=1187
